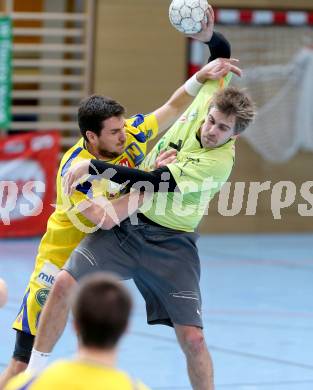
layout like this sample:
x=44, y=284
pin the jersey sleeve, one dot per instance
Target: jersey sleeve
x=145, y=123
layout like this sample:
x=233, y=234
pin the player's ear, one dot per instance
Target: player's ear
x=91, y=136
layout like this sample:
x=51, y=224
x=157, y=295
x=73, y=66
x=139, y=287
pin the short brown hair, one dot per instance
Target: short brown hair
x=101, y=308
x=234, y=101
x=93, y=110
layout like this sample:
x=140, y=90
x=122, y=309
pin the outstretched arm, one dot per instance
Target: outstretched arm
x=183, y=96
x=118, y=174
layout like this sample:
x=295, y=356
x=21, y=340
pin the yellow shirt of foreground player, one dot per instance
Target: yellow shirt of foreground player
x=76, y=375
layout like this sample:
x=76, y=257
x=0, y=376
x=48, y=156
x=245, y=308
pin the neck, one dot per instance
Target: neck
x=99, y=356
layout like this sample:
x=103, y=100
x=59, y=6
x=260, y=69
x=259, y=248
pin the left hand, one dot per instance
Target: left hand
x=77, y=174
x=207, y=27
x=217, y=69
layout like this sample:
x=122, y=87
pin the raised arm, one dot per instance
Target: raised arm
x=183, y=96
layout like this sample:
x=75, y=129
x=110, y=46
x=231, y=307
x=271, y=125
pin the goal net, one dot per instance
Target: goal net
x=277, y=63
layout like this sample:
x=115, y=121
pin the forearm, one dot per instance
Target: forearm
x=219, y=47
x=121, y=175
x=176, y=105
x=125, y=206
x=106, y=214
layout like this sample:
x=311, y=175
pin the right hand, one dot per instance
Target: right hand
x=74, y=176
x=207, y=27
x=217, y=69
x=165, y=157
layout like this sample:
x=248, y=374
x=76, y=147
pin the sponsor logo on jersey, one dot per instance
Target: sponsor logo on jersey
x=42, y=295
x=135, y=153
x=192, y=116
x=125, y=162
x=47, y=274
x=46, y=279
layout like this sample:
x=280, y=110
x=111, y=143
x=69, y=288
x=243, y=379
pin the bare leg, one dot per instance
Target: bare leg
x=14, y=368
x=55, y=313
x=199, y=362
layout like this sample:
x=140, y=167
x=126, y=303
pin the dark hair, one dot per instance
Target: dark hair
x=101, y=309
x=93, y=110
x=235, y=101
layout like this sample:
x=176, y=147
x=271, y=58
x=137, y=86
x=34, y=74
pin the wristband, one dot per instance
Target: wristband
x=192, y=86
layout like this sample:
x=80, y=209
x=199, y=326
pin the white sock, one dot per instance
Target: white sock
x=38, y=361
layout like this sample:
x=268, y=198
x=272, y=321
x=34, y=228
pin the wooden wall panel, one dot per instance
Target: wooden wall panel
x=139, y=58
x=249, y=167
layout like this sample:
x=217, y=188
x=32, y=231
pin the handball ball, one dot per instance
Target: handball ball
x=186, y=15
x=3, y=293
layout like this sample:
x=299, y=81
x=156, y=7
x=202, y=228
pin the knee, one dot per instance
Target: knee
x=17, y=366
x=192, y=340
x=63, y=284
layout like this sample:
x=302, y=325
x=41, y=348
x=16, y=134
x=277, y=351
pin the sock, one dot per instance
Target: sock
x=38, y=361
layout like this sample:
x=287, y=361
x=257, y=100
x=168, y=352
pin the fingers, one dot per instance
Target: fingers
x=70, y=182
x=165, y=158
x=65, y=185
x=224, y=65
x=167, y=153
x=210, y=14
x=208, y=23
x=227, y=60
x=169, y=160
x=237, y=71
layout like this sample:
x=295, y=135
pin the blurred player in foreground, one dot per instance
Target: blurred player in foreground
x=101, y=307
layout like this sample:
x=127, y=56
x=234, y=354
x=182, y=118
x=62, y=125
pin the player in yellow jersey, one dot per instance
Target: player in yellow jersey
x=101, y=309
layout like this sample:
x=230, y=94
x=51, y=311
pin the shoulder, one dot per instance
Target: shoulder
x=142, y=127
x=74, y=155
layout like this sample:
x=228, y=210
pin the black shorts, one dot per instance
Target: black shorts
x=163, y=263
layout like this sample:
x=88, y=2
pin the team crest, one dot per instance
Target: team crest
x=41, y=296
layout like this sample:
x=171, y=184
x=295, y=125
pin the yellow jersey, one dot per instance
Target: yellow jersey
x=75, y=375
x=62, y=236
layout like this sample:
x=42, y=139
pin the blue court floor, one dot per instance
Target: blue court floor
x=257, y=307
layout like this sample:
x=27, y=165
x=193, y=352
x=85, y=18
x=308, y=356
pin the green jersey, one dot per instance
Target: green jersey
x=198, y=172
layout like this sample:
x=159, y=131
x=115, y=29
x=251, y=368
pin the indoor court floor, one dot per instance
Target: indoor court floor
x=257, y=295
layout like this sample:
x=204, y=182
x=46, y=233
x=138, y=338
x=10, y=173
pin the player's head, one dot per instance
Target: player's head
x=230, y=113
x=101, y=122
x=101, y=308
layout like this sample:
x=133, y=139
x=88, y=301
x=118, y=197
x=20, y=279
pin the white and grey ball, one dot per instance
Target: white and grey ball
x=186, y=15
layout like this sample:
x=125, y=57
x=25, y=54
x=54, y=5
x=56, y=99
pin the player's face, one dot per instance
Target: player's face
x=217, y=129
x=111, y=142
